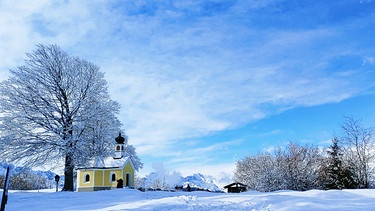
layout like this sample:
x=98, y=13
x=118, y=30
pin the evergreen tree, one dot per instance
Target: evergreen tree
x=338, y=176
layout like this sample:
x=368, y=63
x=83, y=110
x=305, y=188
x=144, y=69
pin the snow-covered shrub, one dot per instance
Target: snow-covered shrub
x=25, y=180
x=294, y=168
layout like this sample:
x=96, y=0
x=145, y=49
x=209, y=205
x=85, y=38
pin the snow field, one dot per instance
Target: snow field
x=125, y=199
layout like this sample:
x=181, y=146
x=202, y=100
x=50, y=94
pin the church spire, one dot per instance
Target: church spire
x=120, y=139
x=119, y=148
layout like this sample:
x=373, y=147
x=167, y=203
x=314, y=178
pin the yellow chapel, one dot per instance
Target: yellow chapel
x=117, y=172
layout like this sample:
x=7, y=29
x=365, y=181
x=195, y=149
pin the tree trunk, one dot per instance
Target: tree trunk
x=68, y=172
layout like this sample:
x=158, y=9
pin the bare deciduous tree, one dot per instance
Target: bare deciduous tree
x=302, y=167
x=56, y=108
x=359, y=146
x=294, y=168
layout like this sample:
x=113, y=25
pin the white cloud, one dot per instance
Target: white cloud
x=368, y=60
x=23, y=25
x=215, y=170
x=179, y=73
x=176, y=82
x=270, y=149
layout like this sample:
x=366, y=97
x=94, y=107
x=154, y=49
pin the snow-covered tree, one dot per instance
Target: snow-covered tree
x=259, y=172
x=56, y=107
x=359, y=150
x=269, y=177
x=302, y=167
x=139, y=182
x=130, y=151
x=296, y=168
x=247, y=171
x=335, y=173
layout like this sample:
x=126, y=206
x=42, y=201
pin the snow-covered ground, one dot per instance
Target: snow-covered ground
x=126, y=199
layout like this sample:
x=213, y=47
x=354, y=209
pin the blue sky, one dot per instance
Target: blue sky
x=204, y=83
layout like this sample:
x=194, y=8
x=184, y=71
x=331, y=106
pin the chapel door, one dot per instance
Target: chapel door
x=127, y=180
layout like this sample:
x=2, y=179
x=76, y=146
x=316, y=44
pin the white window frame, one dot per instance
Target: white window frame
x=85, y=176
x=110, y=177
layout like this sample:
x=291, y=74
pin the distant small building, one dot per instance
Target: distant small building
x=116, y=172
x=236, y=187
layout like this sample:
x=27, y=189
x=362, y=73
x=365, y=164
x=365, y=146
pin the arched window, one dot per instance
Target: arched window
x=122, y=148
x=113, y=177
x=87, y=178
x=118, y=148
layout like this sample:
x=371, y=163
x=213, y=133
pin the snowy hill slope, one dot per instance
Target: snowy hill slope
x=128, y=199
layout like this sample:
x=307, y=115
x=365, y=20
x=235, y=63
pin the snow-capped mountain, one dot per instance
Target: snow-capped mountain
x=199, y=181
x=174, y=180
x=25, y=178
x=49, y=175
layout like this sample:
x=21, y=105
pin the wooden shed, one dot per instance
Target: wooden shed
x=236, y=187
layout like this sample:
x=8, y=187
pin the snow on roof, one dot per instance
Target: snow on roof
x=112, y=162
x=109, y=163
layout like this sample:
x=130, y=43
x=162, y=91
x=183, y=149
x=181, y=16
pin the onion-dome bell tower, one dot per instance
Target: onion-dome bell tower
x=119, y=148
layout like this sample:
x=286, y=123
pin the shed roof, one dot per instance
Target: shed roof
x=235, y=184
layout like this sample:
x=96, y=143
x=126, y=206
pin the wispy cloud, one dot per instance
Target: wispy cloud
x=190, y=68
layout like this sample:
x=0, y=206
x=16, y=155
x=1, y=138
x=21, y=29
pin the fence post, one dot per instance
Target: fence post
x=4, y=200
